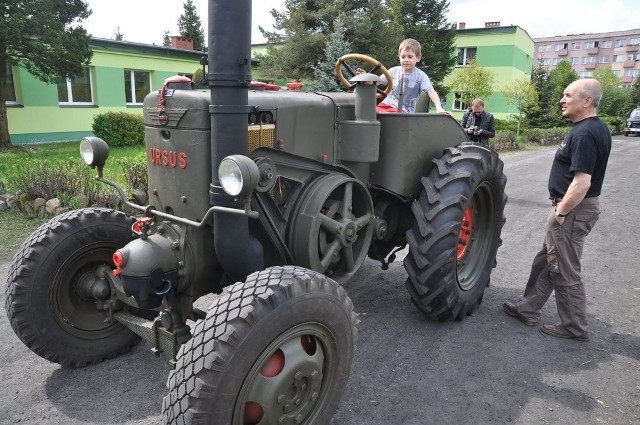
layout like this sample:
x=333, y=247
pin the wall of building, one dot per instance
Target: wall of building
x=39, y=116
x=507, y=52
x=589, y=51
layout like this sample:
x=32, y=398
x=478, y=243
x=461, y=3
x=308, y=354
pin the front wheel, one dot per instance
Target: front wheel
x=276, y=349
x=455, y=235
x=48, y=302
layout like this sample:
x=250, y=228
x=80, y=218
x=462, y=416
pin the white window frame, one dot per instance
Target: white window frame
x=465, y=55
x=634, y=73
x=606, y=44
x=585, y=74
x=604, y=59
x=135, y=101
x=621, y=42
x=70, y=101
x=618, y=58
x=458, y=105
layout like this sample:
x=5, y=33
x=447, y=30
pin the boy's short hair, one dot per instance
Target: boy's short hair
x=411, y=45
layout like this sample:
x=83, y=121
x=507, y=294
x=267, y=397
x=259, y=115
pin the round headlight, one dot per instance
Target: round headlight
x=94, y=151
x=238, y=175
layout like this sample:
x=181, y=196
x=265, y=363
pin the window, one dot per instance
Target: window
x=634, y=41
x=607, y=44
x=544, y=48
x=616, y=72
x=588, y=59
x=76, y=90
x=603, y=59
x=8, y=86
x=590, y=44
x=621, y=42
x=632, y=73
x=544, y=62
x=575, y=60
x=137, y=84
x=560, y=46
x=575, y=46
x=458, y=104
x=555, y=61
x=466, y=55
x=586, y=74
x=618, y=58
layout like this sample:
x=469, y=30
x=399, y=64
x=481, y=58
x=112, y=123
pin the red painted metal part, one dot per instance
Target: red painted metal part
x=466, y=229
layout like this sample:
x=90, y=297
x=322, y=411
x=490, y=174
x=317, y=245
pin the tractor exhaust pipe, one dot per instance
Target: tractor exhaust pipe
x=229, y=77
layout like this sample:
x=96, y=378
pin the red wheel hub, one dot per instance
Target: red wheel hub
x=466, y=229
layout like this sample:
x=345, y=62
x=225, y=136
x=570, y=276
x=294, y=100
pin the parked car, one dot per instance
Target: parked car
x=633, y=123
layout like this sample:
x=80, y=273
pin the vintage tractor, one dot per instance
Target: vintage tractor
x=282, y=192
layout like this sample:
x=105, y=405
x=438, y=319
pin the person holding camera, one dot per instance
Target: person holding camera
x=478, y=123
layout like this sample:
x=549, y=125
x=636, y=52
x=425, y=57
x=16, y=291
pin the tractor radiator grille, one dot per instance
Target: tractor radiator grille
x=261, y=136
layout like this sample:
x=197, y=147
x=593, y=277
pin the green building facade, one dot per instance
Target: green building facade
x=507, y=52
x=118, y=78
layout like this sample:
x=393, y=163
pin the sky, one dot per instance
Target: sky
x=145, y=21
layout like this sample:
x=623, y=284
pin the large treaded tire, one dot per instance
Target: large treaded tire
x=220, y=377
x=449, y=270
x=42, y=302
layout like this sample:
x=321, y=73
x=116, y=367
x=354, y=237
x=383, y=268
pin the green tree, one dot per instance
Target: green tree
x=303, y=29
x=426, y=21
x=46, y=38
x=635, y=96
x=189, y=25
x=325, y=73
x=522, y=94
x=166, y=39
x=616, y=100
x=559, y=78
x=118, y=36
x=472, y=81
x=535, y=113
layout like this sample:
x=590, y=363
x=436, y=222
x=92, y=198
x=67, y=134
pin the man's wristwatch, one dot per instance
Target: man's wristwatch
x=560, y=215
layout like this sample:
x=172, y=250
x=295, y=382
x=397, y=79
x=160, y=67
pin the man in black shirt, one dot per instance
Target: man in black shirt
x=575, y=183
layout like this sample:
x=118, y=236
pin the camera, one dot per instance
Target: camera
x=475, y=130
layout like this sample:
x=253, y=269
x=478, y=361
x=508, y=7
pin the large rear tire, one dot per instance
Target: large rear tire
x=44, y=300
x=274, y=350
x=455, y=235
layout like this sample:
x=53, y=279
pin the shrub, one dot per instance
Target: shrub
x=119, y=128
x=615, y=124
x=545, y=136
x=63, y=180
x=505, y=125
x=135, y=171
x=504, y=141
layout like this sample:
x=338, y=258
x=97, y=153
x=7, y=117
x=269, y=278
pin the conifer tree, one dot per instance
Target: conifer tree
x=189, y=25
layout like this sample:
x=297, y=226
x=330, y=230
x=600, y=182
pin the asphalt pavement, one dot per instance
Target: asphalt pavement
x=486, y=369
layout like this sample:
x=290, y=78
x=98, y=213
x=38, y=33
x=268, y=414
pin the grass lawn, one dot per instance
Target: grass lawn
x=15, y=228
x=63, y=151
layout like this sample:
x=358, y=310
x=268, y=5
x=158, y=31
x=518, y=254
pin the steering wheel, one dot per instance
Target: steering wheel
x=377, y=67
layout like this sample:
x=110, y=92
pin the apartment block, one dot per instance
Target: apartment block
x=618, y=50
x=507, y=52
